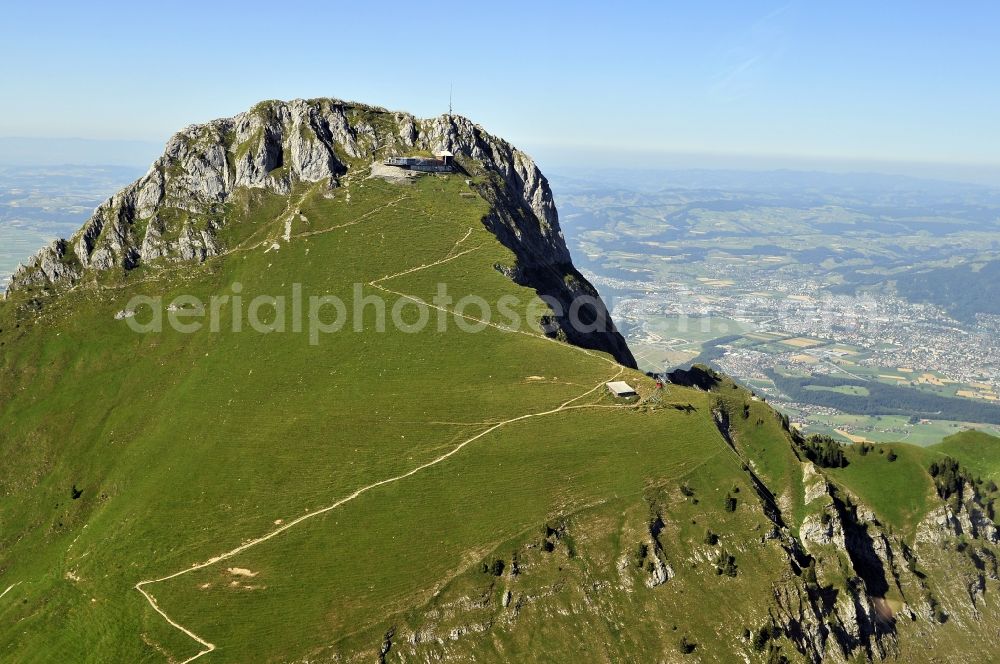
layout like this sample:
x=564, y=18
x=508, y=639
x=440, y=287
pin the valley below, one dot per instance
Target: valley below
x=805, y=275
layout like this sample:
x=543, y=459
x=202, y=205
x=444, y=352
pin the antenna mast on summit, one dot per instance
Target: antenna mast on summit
x=451, y=88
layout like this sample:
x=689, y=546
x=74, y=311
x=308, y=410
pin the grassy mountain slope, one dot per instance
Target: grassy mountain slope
x=977, y=451
x=425, y=495
x=894, y=480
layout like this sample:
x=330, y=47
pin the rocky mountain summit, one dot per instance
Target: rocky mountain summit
x=176, y=210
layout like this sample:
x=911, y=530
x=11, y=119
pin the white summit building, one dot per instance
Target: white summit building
x=620, y=388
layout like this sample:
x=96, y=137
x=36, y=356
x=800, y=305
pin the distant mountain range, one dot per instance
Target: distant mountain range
x=781, y=181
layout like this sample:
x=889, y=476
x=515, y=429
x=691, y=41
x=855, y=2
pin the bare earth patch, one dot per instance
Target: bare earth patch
x=241, y=571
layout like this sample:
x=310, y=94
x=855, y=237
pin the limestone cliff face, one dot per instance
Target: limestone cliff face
x=846, y=538
x=966, y=519
x=174, y=211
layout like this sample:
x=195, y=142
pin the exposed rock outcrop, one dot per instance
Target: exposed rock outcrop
x=49, y=265
x=966, y=518
x=847, y=622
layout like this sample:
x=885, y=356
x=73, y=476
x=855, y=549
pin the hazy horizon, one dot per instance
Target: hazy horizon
x=552, y=159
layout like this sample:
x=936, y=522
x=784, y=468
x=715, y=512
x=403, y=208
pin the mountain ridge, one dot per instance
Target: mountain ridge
x=175, y=212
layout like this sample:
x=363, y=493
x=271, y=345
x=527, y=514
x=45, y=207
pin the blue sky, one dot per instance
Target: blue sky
x=887, y=81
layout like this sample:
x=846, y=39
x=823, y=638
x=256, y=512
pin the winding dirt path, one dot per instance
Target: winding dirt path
x=206, y=645
x=377, y=283
x=243, y=246
x=9, y=588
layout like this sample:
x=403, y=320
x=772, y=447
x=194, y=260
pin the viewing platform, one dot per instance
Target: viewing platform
x=441, y=162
